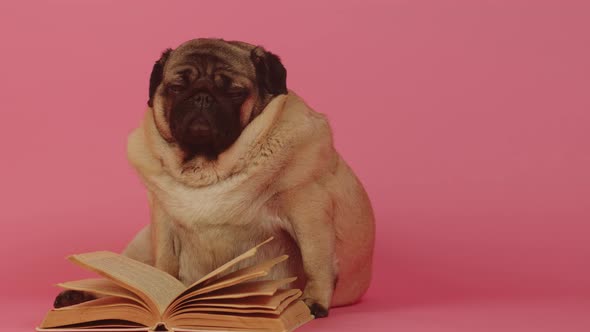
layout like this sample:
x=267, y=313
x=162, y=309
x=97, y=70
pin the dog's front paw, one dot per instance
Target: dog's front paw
x=71, y=297
x=317, y=310
x=317, y=299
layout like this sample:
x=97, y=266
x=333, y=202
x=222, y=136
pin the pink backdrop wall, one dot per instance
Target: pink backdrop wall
x=468, y=122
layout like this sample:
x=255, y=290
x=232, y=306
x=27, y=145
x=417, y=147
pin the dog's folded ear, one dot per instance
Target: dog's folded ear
x=270, y=72
x=157, y=75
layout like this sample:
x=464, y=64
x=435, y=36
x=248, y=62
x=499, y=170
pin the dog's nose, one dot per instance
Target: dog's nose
x=202, y=100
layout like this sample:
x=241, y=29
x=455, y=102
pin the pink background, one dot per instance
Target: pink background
x=468, y=122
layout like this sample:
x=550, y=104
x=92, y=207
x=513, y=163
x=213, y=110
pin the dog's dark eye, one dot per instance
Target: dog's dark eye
x=223, y=81
x=237, y=94
x=175, y=88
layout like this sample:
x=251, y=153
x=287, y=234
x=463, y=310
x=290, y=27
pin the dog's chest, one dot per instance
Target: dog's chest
x=216, y=223
x=231, y=202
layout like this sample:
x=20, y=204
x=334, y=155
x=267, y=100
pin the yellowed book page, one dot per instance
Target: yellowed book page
x=289, y=300
x=239, y=276
x=262, y=267
x=230, y=311
x=155, y=287
x=102, y=287
x=246, y=289
x=106, y=308
x=205, y=321
x=103, y=325
x=293, y=316
x=228, y=265
x=273, y=307
x=262, y=302
x=231, y=279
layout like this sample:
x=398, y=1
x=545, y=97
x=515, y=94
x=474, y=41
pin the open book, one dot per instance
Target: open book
x=137, y=297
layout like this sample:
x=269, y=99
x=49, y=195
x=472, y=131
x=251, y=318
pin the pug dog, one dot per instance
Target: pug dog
x=230, y=157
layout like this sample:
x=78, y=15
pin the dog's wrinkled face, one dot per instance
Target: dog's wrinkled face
x=206, y=91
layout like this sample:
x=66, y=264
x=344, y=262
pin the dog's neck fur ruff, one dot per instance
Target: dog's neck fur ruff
x=286, y=121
